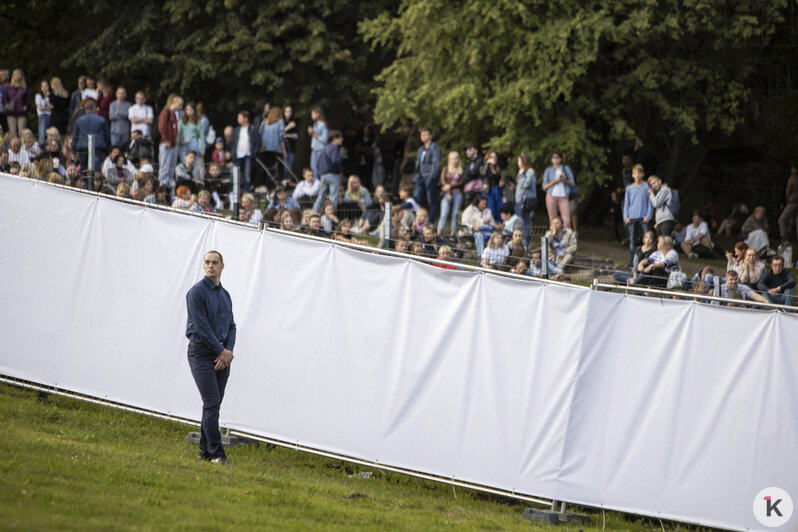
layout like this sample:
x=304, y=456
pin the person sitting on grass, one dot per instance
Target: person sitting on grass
x=477, y=221
x=249, y=212
x=562, y=243
x=659, y=265
x=777, y=285
x=643, y=251
x=733, y=289
x=510, y=220
x=328, y=220
x=516, y=245
x=696, y=239
x=751, y=269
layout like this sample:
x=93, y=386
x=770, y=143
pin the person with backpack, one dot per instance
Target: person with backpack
x=661, y=197
x=330, y=170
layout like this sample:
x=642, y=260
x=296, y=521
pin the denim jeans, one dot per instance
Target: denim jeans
x=211, y=385
x=479, y=242
x=428, y=188
x=167, y=161
x=331, y=182
x=454, y=204
x=781, y=299
x=314, y=162
x=634, y=232
x=121, y=139
x=245, y=165
x=44, y=123
x=527, y=217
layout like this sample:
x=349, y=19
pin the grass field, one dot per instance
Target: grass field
x=70, y=465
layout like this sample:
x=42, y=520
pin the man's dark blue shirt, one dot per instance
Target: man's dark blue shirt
x=210, y=316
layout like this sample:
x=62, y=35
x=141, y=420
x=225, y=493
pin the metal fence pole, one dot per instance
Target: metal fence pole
x=544, y=257
x=235, y=191
x=91, y=162
x=716, y=288
x=386, y=221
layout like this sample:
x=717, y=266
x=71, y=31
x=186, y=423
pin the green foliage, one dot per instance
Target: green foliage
x=227, y=53
x=69, y=465
x=580, y=77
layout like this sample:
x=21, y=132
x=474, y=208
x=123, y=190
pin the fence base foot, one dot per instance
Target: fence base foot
x=553, y=517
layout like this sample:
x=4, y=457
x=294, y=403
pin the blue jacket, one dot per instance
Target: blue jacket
x=330, y=160
x=525, y=186
x=551, y=174
x=272, y=136
x=91, y=124
x=254, y=140
x=428, y=166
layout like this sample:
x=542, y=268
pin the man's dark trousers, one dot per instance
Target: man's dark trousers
x=211, y=384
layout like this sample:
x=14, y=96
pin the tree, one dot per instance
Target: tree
x=579, y=77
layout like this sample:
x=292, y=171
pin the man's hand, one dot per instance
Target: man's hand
x=628, y=221
x=646, y=220
x=223, y=360
x=774, y=291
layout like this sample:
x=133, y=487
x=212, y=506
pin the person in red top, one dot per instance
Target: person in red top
x=105, y=95
x=445, y=253
x=167, y=153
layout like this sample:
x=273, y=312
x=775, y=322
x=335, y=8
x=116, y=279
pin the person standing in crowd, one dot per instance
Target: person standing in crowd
x=790, y=212
x=557, y=182
x=120, y=123
x=526, y=196
x=105, y=95
x=167, y=152
x=291, y=135
x=211, y=332
x=4, y=77
x=451, y=185
x=189, y=133
x=331, y=170
x=91, y=124
x=77, y=96
x=637, y=209
x=272, y=146
x=427, y=173
x=491, y=175
x=245, y=145
x=91, y=89
x=318, y=132
x=755, y=232
x=472, y=179
x=617, y=196
x=661, y=196
x=16, y=99
x=44, y=109
x=59, y=97
x=141, y=116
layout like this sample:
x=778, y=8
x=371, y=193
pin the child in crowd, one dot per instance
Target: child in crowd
x=422, y=219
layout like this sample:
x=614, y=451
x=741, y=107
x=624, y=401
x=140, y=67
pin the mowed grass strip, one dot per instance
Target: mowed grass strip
x=71, y=465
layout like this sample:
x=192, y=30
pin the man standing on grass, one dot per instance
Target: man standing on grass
x=211, y=333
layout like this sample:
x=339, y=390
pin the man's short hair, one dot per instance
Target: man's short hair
x=90, y=104
x=335, y=134
x=428, y=130
x=777, y=257
x=191, y=152
x=221, y=259
x=639, y=168
x=507, y=209
x=733, y=274
x=245, y=114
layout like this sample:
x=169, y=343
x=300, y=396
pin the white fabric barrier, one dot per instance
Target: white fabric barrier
x=665, y=408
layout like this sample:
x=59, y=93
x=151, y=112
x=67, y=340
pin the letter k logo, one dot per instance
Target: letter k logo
x=772, y=506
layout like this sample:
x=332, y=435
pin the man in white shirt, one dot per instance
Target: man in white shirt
x=141, y=115
x=308, y=187
x=696, y=239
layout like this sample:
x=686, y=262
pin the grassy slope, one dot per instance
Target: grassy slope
x=69, y=465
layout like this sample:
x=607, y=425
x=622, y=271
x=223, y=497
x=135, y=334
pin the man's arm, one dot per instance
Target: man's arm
x=436, y=160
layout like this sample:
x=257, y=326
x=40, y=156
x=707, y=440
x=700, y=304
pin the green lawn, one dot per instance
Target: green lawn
x=70, y=465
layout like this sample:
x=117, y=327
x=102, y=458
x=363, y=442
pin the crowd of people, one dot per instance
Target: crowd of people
x=461, y=207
